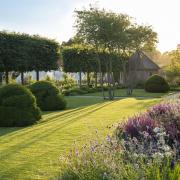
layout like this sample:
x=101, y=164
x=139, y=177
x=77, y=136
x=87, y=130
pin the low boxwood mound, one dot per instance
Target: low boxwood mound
x=17, y=106
x=156, y=84
x=48, y=96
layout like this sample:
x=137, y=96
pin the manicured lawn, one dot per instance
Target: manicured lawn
x=136, y=93
x=32, y=152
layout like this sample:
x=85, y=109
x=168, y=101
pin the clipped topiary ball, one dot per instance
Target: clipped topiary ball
x=156, y=84
x=17, y=106
x=48, y=96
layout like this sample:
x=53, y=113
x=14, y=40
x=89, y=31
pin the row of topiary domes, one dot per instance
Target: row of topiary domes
x=21, y=106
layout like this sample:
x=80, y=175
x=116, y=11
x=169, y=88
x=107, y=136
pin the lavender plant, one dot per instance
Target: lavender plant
x=154, y=132
x=109, y=161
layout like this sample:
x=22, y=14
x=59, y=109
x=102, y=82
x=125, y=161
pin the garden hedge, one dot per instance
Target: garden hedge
x=156, y=84
x=17, y=106
x=48, y=96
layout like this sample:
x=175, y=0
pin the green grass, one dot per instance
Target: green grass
x=32, y=152
x=136, y=93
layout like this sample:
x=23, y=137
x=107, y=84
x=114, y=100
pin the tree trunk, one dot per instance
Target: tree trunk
x=101, y=76
x=124, y=75
x=110, y=79
x=118, y=78
x=22, y=78
x=80, y=80
x=37, y=75
x=7, y=77
x=88, y=79
x=102, y=83
x=113, y=82
x=100, y=71
x=95, y=74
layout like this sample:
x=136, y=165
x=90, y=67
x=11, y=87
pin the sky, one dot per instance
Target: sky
x=55, y=18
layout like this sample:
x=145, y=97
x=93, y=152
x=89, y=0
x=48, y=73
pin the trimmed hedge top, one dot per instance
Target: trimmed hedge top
x=22, y=52
x=48, y=96
x=156, y=84
x=17, y=106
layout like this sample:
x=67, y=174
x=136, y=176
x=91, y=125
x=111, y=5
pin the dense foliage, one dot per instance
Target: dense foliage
x=172, y=73
x=48, y=96
x=172, y=69
x=111, y=31
x=84, y=59
x=79, y=91
x=17, y=106
x=156, y=84
x=146, y=146
x=22, y=52
x=79, y=59
x=66, y=83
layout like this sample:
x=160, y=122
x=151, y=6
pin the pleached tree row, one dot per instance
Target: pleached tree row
x=22, y=53
x=84, y=59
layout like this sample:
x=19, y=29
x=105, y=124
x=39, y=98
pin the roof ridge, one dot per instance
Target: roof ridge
x=142, y=61
x=149, y=59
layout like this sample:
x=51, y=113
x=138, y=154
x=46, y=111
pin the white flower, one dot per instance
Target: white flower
x=136, y=166
x=156, y=129
x=168, y=154
x=158, y=155
x=135, y=155
x=146, y=134
x=166, y=148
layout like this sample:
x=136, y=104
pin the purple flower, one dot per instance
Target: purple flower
x=172, y=130
x=160, y=110
x=141, y=124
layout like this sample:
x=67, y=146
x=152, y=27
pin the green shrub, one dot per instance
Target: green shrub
x=17, y=106
x=54, y=103
x=48, y=96
x=66, y=83
x=77, y=91
x=156, y=84
x=82, y=90
x=140, y=85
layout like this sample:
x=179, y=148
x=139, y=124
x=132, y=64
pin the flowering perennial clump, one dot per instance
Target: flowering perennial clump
x=154, y=132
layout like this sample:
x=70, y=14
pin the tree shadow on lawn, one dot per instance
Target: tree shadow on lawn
x=7, y=130
x=144, y=104
x=40, y=135
x=75, y=104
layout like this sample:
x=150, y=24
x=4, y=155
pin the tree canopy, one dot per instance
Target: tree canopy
x=22, y=52
x=111, y=31
x=172, y=71
x=79, y=58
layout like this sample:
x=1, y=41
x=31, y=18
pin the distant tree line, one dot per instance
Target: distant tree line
x=22, y=53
